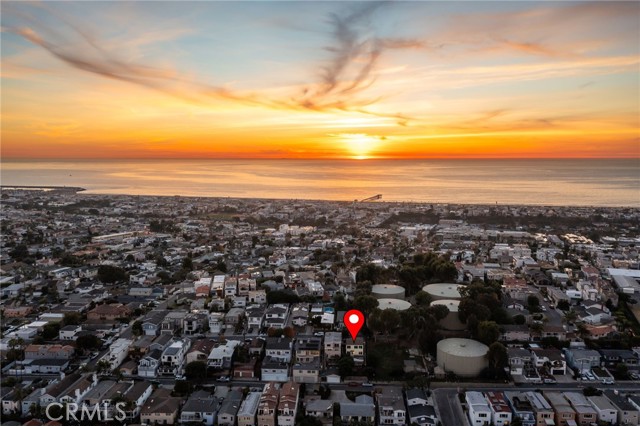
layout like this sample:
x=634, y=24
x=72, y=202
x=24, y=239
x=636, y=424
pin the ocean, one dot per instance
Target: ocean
x=601, y=182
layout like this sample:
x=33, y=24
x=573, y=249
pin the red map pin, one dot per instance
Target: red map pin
x=354, y=320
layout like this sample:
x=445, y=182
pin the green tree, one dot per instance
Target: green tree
x=136, y=328
x=488, y=332
x=423, y=298
x=533, y=304
x=365, y=304
x=88, y=342
x=181, y=388
x=519, y=319
x=622, y=371
x=72, y=318
x=111, y=274
x=346, y=366
x=195, y=370
x=390, y=319
x=103, y=367
x=339, y=302
x=50, y=331
x=497, y=356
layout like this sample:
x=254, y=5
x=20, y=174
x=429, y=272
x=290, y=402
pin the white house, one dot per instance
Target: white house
x=479, y=410
x=118, y=352
x=220, y=356
x=173, y=357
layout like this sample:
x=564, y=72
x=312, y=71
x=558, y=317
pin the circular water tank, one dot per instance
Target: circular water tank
x=398, y=305
x=443, y=291
x=387, y=291
x=452, y=321
x=463, y=357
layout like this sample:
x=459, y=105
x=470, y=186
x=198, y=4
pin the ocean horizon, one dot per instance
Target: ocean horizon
x=566, y=182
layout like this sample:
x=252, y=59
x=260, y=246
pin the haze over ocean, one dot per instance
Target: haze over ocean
x=574, y=182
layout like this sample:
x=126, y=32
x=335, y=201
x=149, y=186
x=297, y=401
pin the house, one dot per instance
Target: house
x=193, y=323
x=479, y=410
x=300, y=315
x=138, y=395
x=118, y=351
x=48, y=352
x=149, y=364
x=557, y=331
x=363, y=410
x=515, y=333
x=500, y=411
x=542, y=409
x=564, y=414
x=69, y=332
x=172, y=323
x=255, y=316
x=595, y=316
x=257, y=296
x=518, y=358
x=268, y=405
x=199, y=351
x=307, y=372
x=279, y=348
x=11, y=403
x=521, y=407
x=582, y=360
x=160, y=408
x=161, y=342
x=151, y=323
x=276, y=315
x=551, y=359
x=256, y=347
x=78, y=389
x=606, y=412
x=307, y=349
x=46, y=366
x=585, y=413
x=319, y=408
x=216, y=321
x=200, y=408
x=416, y=396
x=245, y=370
x=274, y=370
x=30, y=401
x=173, y=356
x=356, y=348
x=391, y=407
x=229, y=409
x=234, y=315
x=248, y=409
x=108, y=313
x=612, y=357
x=628, y=414
x=332, y=345
x=288, y=404
x=222, y=354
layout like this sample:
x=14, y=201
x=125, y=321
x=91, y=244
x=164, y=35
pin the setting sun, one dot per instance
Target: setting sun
x=360, y=145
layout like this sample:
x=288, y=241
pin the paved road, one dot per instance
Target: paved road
x=448, y=407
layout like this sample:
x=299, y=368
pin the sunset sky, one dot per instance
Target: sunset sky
x=320, y=79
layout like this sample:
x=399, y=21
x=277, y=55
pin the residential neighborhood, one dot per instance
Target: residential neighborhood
x=223, y=311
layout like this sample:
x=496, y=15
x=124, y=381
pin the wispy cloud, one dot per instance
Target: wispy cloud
x=355, y=51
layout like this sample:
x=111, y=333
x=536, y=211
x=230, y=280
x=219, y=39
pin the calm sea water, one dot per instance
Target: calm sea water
x=537, y=182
